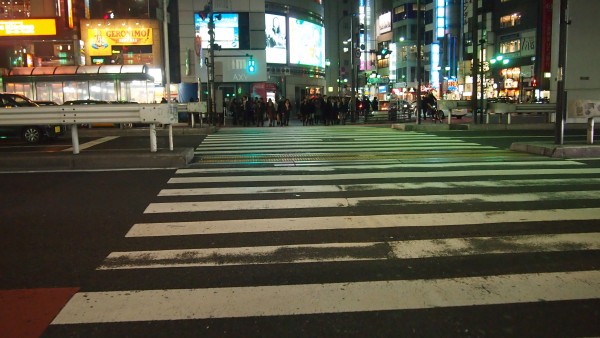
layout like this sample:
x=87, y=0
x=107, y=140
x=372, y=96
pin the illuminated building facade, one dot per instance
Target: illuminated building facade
x=284, y=41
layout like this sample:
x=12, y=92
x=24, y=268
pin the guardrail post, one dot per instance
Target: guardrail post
x=153, y=146
x=75, y=138
x=590, y=131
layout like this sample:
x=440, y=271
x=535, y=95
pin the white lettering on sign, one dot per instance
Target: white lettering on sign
x=528, y=43
x=240, y=77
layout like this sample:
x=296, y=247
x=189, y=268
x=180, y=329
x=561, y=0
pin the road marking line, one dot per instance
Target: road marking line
x=371, y=187
x=359, y=222
x=315, y=145
x=344, y=252
x=286, y=300
x=313, y=203
x=564, y=172
x=388, y=165
x=93, y=143
x=287, y=149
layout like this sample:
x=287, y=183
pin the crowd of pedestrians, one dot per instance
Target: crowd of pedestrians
x=312, y=110
x=254, y=112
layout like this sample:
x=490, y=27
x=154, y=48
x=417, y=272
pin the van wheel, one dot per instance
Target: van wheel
x=32, y=134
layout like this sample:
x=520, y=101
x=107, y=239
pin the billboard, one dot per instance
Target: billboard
x=101, y=40
x=27, y=27
x=307, y=43
x=226, y=30
x=276, y=34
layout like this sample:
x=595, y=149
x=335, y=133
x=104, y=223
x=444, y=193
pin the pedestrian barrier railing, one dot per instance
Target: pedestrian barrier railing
x=588, y=109
x=518, y=108
x=75, y=115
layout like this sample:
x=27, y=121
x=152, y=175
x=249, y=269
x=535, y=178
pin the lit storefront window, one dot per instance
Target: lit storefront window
x=511, y=46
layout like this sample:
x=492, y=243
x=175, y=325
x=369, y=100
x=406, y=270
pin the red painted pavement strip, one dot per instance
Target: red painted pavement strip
x=26, y=313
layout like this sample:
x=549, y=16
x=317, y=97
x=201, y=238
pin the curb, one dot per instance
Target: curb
x=122, y=159
x=472, y=127
x=557, y=151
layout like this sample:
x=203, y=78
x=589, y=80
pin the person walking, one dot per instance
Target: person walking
x=247, y=111
x=258, y=108
x=304, y=111
x=286, y=111
x=271, y=112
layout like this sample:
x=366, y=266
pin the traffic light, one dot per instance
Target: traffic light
x=251, y=66
x=384, y=51
x=533, y=82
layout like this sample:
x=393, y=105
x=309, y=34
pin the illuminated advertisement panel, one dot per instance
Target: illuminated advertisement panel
x=226, y=30
x=307, y=43
x=27, y=27
x=101, y=40
x=384, y=24
x=276, y=38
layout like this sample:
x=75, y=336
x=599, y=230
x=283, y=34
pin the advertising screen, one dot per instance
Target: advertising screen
x=276, y=34
x=226, y=30
x=307, y=43
x=102, y=40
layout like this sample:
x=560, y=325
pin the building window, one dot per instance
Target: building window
x=510, y=20
x=511, y=46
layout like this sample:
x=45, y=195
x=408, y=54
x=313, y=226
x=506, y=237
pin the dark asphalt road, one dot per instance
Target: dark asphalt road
x=59, y=228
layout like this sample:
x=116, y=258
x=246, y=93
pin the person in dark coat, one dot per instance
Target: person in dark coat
x=375, y=104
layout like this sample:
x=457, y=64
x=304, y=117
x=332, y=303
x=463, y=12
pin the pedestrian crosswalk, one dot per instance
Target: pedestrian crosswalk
x=272, y=225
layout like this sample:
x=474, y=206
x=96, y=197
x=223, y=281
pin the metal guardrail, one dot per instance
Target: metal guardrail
x=151, y=114
x=447, y=106
x=588, y=109
x=192, y=108
x=518, y=108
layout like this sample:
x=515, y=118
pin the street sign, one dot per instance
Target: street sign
x=357, y=53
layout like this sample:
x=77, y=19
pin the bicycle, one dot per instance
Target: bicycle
x=436, y=114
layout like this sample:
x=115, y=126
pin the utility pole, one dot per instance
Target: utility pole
x=165, y=3
x=211, y=64
x=419, y=62
x=353, y=71
x=475, y=70
x=561, y=99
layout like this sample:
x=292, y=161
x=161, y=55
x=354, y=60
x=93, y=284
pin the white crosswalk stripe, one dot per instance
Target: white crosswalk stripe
x=351, y=213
